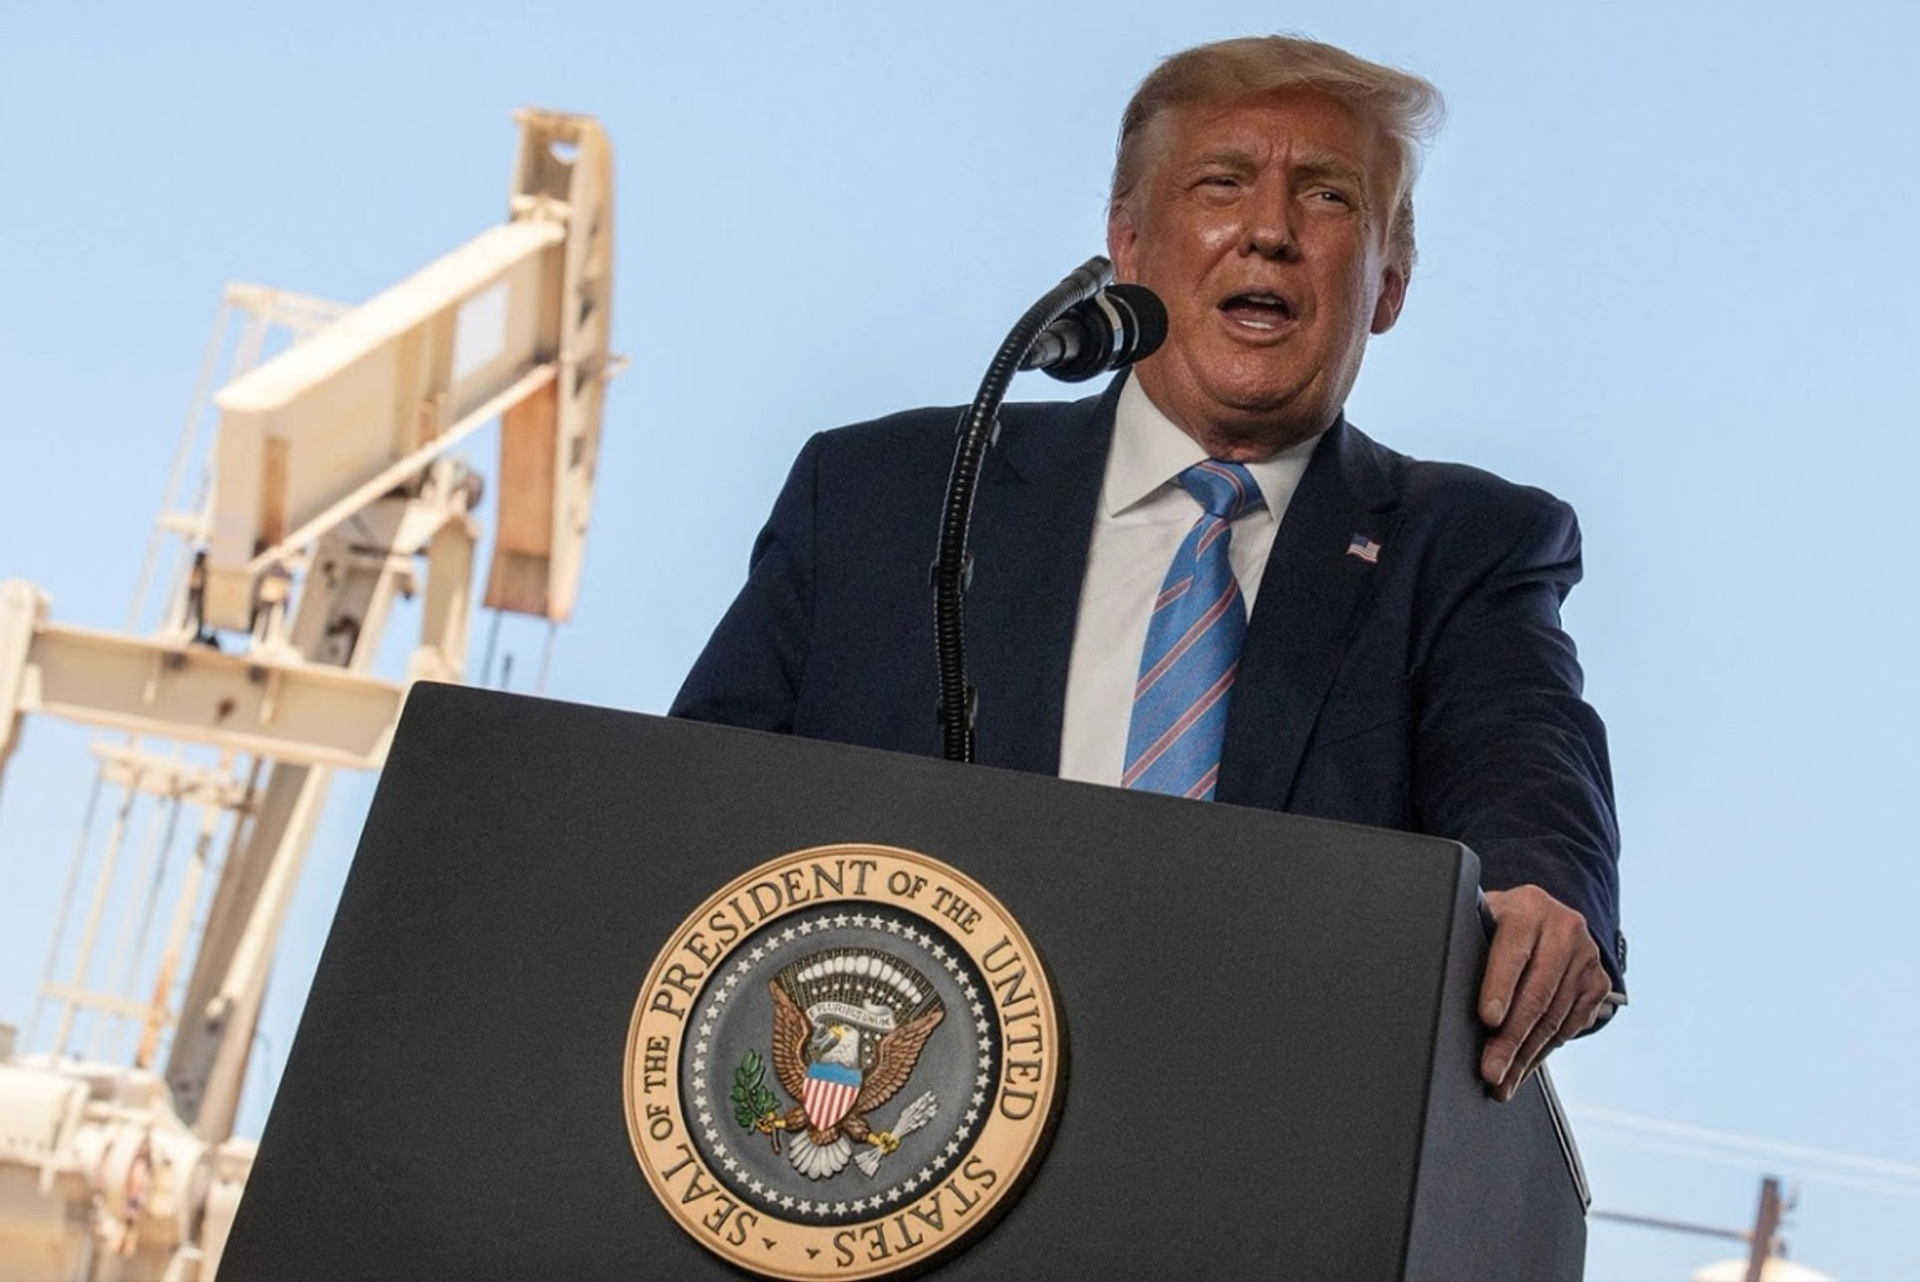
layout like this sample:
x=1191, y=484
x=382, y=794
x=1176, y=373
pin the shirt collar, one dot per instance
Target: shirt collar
x=1150, y=451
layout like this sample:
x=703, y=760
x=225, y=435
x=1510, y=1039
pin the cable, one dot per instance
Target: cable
x=1800, y=1176
x=1730, y=1139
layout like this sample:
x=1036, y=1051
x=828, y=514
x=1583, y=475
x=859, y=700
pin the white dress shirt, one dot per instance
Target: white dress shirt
x=1144, y=516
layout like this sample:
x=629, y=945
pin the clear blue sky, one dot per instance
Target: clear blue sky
x=1667, y=273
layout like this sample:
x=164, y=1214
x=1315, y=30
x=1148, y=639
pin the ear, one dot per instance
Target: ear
x=1393, y=294
x=1123, y=240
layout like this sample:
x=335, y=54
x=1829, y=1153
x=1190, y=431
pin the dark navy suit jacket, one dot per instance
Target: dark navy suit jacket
x=1432, y=691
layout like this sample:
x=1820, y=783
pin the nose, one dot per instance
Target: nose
x=1269, y=226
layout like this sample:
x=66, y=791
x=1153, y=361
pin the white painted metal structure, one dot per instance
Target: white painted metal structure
x=331, y=490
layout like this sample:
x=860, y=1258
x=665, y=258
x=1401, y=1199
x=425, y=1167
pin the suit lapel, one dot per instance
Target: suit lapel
x=1312, y=597
x=1033, y=518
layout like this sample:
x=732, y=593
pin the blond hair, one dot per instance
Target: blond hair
x=1406, y=108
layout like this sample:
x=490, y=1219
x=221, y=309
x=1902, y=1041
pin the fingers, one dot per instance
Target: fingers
x=1544, y=983
x=1575, y=1005
x=1545, y=1034
x=1515, y=934
x=1531, y=999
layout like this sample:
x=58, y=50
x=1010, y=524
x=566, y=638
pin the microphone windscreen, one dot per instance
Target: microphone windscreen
x=1149, y=329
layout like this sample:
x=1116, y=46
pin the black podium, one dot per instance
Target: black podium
x=1269, y=1020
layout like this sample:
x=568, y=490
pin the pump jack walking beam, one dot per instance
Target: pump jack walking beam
x=512, y=325
x=330, y=479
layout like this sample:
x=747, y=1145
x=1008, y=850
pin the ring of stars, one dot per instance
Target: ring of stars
x=768, y=948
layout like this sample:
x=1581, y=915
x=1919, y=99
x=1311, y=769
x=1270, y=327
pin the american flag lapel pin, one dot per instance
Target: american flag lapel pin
x=1364, y=548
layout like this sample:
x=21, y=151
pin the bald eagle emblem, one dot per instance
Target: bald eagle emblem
x=848, y=1028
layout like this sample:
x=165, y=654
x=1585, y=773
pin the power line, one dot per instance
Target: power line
x=1731, y=1139
x=1651, y=1144
x=1831, y=1166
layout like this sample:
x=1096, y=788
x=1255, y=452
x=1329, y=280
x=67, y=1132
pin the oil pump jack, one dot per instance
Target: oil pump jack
x=330, y=489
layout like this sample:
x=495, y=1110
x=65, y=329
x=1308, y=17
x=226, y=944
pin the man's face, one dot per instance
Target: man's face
x=1261, y=224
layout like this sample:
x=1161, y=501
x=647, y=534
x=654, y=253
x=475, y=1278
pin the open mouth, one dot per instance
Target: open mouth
x=1258, y=310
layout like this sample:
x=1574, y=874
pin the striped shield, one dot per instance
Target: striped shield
x=830, y=1092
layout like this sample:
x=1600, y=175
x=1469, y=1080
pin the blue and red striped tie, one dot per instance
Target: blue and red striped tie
x=1193, y=646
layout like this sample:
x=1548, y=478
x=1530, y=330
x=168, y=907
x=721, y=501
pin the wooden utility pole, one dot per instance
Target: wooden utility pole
x=1763, y=1262
x=1766, y=1226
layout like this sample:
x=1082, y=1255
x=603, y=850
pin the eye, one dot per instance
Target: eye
x=1330, y=201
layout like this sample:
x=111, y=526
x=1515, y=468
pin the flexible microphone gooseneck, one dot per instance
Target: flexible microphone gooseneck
x=1097, y=338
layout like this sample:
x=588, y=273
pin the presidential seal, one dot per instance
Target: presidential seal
x=843, y=1065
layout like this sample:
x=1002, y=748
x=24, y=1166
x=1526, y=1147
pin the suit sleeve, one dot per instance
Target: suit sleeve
x=749, y=674
x=1510, y=759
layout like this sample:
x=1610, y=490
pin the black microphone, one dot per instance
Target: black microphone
x=1116, y=327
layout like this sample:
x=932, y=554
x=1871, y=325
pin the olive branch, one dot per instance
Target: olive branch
x=752, y=1100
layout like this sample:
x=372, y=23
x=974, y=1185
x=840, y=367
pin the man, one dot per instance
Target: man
x=1403, y=663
